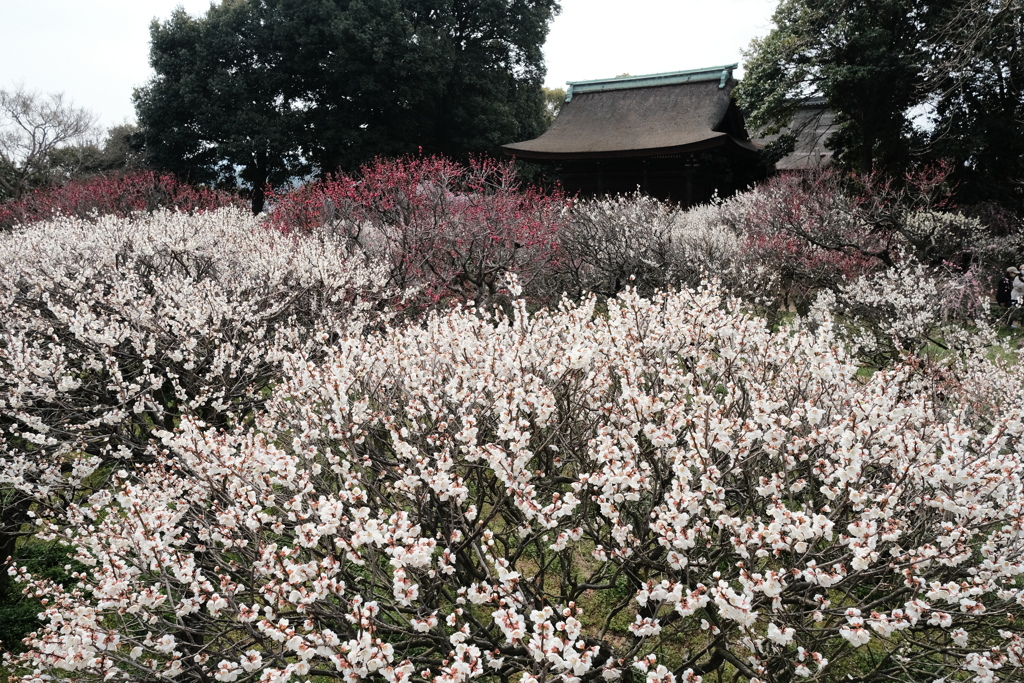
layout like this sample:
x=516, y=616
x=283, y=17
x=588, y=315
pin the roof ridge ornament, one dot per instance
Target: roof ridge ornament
x=721, y=73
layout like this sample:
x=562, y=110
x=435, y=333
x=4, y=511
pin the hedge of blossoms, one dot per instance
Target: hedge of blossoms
x=824, y=231
x=894, y=311
x=454, y=231
x=117, y=195
x=114, y=327
x=899, y=274
x=658, y=491
x=450, y=230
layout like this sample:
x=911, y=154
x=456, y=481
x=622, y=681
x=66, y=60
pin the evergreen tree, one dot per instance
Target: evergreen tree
x=954, y=66
x=864, y=56
x=280, y=88
x=220, y=107
x=977, y=74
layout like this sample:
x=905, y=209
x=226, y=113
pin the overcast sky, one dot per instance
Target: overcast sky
x=97, y=51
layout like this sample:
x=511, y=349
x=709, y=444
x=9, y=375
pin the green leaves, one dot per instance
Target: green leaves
x=909, y=80
x=219, y=106
x=863, y=56
x=272, y=89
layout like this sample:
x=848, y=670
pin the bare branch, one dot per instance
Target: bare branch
x=32, y=126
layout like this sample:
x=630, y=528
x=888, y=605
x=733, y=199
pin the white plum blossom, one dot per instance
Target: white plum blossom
x=780, y=636
x=555, y=494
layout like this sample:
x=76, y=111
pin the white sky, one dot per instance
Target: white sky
x=604, y=38
x=97, y=51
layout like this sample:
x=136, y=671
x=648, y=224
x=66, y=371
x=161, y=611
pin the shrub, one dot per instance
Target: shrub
x=19, y=614
x=450, y=230
x=807, y=229
x=659, y=492
x=115, y=195
x=823, y=230
x=612, y=243
x=707, y=243
x=902, y=309
x=115, y=327
x=635, y=241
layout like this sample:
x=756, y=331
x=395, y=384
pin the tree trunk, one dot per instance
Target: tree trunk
x=258, y=199
x=259, y=174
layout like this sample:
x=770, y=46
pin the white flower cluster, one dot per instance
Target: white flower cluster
x=901, y=309
x=610, y=242
x=115, y=327
x=636, y=241
x=565, y=495
x=948, y=233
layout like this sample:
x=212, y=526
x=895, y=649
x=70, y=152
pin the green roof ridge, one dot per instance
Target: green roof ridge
x=719, y=73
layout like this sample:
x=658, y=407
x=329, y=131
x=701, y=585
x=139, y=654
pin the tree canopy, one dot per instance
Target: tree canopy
x=864, y=56
x=220, y=106
x=978, y=75
x=554, y=100
x=910, y=81
x=263, y=90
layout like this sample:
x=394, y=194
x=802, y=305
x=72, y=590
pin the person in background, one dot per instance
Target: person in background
x=1005, y=286
x=1016, y=298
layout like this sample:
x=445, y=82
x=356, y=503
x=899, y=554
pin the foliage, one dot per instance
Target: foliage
x=806, y=228
x=662, y=491
x=781, y=244
x=117, y=154
x=115, y=326
x=710, y=242
x=908, y=80
x=865, y=58
x=33, y=128
x=823, y=229
x=19, y=613
x=446, y=229
x=220, y=101
x=978, y=71
x=111, y=195
x=635, y=241
x=451, y=77
x=796, y=238
x=554, y=100
x=268, y=473
x=767, y=245
x=280, y=88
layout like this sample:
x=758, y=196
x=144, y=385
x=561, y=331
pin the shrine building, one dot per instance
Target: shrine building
x=678, y=136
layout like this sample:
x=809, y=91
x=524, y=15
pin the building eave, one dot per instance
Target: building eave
x=719, y=141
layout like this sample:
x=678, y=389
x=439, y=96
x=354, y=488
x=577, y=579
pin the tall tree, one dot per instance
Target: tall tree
x=954, y=66
x=977, y=75
x=219, y=108
x=554, y=100
x=389, y=77
x=866, y=57
x=279, y=87
x=115, y=155
x=489, y=53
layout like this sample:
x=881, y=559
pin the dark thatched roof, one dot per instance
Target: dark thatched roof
x=641, y=116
